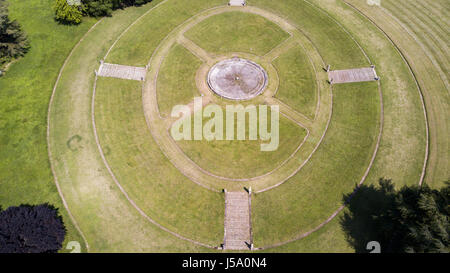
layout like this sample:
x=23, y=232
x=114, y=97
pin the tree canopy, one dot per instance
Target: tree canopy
x=72, y=11
x=413, y=219
x=66, y=13
x=13, y=41
x=31, y=229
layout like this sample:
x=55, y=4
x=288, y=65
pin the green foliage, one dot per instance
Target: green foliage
x=98, y=8
x=13, y=42
x=413, y=219
x=67, y=14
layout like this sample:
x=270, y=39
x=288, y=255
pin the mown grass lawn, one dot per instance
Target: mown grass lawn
x=237, y=32
x=423, y=40
x=148, y=176
x=25, y=175
x=138, y=44
x=176, y=79
x=316, y=191
x=110, y=221
x=307, y=199
x=243, y=158
x=298, y=87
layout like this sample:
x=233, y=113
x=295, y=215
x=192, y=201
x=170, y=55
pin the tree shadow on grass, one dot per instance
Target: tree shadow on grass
x=362, y=221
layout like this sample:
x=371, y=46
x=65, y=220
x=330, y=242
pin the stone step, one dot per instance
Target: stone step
x=122, y=71
x=238, y=202
x=236, y=2
x=237, y=221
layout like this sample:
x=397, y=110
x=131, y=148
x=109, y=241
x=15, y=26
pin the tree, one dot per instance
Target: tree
x=413, y=219
x=13, y=42
x=31, y=229
x=423, y=215
x=67, y=13
x=98, y=8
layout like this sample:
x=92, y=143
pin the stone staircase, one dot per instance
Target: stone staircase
x=237, y=221
x=237, y=3
x=122, y=71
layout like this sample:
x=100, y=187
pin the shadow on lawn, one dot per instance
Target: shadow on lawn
x=362, y=220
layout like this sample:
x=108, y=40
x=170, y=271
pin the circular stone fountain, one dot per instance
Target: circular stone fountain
x=237, y=79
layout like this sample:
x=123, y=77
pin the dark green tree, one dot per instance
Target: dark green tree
x=31, y=229
x=66, y=11
x=413, y=219
x=99, y=8
x=13, y=41
x=422, y=214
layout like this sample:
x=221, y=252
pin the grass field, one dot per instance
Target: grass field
x=109, y=221
x=244, y=159
x=25, y=175
x=117, y=172
x=148, y=177
x=418, y=50
x=237, y=32
x=176, y=81
x=336, y=167
x=298, y=87
x=136, y=49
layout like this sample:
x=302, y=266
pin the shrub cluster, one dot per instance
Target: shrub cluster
x=72, y=11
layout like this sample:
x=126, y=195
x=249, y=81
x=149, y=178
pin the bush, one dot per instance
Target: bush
x=66, y=11
x=31, y=229
x=98, y=8
x=67, y=14
x=13, y=41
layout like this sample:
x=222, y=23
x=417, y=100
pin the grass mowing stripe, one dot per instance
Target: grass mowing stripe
x=417, y=64
x=436, y=47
